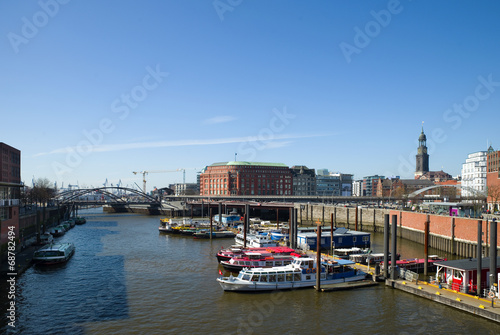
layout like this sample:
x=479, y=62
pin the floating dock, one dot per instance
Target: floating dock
x=347, y=285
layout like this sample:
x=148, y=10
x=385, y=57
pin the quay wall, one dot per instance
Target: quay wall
x=454, y=235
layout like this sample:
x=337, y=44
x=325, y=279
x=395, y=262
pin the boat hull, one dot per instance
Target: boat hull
x=234, y=284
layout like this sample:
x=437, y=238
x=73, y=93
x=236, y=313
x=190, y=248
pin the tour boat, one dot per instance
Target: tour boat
x=301, y=273
x=255, y=240
x=54, y=253
x=215, y=234
x=235, y=251
x=257, y=260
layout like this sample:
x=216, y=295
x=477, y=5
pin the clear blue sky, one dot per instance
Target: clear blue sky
x=93, y=90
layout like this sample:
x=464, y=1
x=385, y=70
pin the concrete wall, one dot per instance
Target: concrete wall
x=452, y=235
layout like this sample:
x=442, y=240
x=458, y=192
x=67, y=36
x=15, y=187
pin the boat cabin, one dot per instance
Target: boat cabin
x=461, y=274
x=342, y=238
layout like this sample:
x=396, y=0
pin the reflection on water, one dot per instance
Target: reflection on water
x=126, y=278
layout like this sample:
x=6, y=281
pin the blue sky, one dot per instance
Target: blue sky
x=93, y=90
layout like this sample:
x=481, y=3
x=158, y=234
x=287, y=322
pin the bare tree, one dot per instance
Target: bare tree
x=42, y=191
x=494, y=194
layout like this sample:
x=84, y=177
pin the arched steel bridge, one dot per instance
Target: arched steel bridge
x=476, y=193
x=133, y=196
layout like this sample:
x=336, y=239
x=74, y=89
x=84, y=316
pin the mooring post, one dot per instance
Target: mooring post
x=394, y=231
x=347, y=215
x=331, y=233
x=295, y=229
x=211, y=224
x=493, y=258
x=318, y=257
x=335, y=216
x=426, y=245
x=277, y=218
x=361, y=219
x=452, y=236
x=479, y=255
x=245, y=225
x=220, y=214
x=356, y=219
x=386, y=246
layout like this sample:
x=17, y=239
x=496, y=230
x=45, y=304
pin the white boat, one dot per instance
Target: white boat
x=54, y=253
x=255, y=241
x=301, y=273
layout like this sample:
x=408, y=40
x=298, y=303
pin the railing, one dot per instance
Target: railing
x=408, y=275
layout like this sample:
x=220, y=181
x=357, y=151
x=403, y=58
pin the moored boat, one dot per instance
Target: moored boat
x=235, y=251
x=255, y=240
x=54, y=253
x=257, y=260
x=300, y=274
x=215, y=234
x=79, y=220
x=418, y=264
x=46, y=238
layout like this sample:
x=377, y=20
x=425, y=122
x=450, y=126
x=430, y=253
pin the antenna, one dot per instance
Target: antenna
x=235, y=154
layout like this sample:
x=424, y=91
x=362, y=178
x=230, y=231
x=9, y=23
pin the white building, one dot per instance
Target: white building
x=474, y=174
x=357, y=188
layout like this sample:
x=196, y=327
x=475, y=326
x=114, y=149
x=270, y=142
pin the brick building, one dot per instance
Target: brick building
x=246, y=178
x=10, y=183
x=493, y=179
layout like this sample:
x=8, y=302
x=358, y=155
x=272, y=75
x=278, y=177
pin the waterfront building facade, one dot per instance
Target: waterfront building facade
x=334, y=184
x=246, y=178
x=10, y=184
x=357, y=188
x=493, y=179
x=474, y=175
x=304, y=180
x=368, y=182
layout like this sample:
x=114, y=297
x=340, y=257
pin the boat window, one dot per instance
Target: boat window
x=246, y=277
x=263, y=278
x=247, y=263
x=272, y=278
x=289, y=277
x=308, y=277
x=286, y=262
x=269, y=263
x=255, y=278
x=281, y=277
x=296, y=276
x=278, y=263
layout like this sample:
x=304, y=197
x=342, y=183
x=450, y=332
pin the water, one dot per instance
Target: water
x=126, y=278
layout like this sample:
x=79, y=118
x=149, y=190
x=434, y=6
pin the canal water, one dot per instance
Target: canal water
x=126, y=278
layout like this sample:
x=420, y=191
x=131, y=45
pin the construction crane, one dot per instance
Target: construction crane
x=144, y=173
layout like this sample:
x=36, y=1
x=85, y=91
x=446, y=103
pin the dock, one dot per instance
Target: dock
x=347, y=285
x=465, y=302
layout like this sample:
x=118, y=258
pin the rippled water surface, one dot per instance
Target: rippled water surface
x=126, y=278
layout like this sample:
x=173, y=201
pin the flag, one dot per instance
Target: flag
x=220, y=272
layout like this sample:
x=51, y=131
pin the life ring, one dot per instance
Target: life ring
x=308, y=270
x=491, y=294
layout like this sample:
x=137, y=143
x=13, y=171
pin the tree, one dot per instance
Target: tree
x=494, y=195
x=42, y=191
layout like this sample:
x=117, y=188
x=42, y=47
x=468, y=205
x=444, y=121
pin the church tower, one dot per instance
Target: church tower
x=422, y=156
